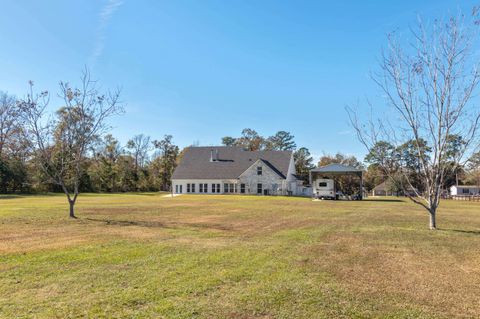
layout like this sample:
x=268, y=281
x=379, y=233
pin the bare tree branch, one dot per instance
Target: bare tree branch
x=430, y=84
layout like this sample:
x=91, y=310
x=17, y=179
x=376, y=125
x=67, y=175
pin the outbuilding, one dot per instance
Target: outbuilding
x=325, y=181
x=386, y=189
x=464, y=190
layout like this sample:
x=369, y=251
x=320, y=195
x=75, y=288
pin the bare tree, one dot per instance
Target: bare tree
x=139, y=147
x=61, y=141
x=429, y=83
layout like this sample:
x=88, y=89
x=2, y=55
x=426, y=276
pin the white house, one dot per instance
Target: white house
x=233, y=170
x=464, y=190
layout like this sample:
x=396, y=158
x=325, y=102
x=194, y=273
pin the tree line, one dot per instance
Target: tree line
x=281, y=141
x=142, y=164
x=401, y=166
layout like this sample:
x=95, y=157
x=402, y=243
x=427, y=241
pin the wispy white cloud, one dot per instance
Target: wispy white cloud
x=104, y=18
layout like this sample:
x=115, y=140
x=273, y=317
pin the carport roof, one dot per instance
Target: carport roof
x=336, y=168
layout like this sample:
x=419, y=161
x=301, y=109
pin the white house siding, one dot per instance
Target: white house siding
x=291, y=171
x=181, y=184
x=464, y=190
x=293, y=184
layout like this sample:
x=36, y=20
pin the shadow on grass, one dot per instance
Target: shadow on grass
x=128, y=222
x=154, y=224
x=386, y=200
x=25, y=195
x=473, y=232
x=132, y=193
x=10, y=196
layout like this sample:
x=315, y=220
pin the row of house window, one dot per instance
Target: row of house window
x=215, y=188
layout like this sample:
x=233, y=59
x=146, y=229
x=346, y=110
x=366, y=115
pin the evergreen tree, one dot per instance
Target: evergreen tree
x=281, y=141
x=303, y=164
x=168, y=153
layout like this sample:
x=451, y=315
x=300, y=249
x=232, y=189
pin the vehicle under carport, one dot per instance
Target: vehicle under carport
x=347, y=180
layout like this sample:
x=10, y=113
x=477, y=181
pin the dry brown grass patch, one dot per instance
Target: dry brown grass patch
x=434, y=280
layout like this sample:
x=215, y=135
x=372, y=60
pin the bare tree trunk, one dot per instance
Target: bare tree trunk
x=72, y=210
x=71, y=200
x=433, y=221
x=71, y=203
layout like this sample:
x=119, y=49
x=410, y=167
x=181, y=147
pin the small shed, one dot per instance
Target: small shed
x=381, y=190
x=385, y=189
x=335, y=171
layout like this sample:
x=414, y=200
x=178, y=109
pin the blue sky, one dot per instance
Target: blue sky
x=200, y=70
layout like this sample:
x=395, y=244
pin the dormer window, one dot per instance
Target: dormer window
x=259, y=170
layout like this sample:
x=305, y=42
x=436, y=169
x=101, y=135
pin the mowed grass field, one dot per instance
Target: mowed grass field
x=147, y=256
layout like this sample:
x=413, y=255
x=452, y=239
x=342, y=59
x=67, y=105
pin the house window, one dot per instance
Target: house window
x=465, y=191
x=242, y=188
x=193, y=188
x=176, y=189
x=259, y=188
x=200, y=186
x=213, y=188
x=225, y=188
x=218, y=188
x=259, y=170
x=188, y=188
x=205, y=188
x=181, y=189
x=232, y=188
x=322, y=184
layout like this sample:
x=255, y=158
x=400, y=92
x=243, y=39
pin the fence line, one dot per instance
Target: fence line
x=470, y=198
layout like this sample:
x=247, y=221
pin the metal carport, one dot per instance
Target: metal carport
x=333, y=171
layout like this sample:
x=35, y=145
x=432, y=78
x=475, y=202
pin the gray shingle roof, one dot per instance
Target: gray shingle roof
x=381, y=187
x=336, y=168
x=232, y=162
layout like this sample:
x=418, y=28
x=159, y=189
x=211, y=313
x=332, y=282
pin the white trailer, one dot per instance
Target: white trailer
x=324, y=188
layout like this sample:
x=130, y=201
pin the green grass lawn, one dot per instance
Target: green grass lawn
x=147, y=256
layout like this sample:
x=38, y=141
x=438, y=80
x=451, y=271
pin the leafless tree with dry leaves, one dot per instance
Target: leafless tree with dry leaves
x=429, y=83
x=139, y=147
x=61, y=140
